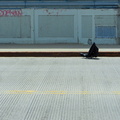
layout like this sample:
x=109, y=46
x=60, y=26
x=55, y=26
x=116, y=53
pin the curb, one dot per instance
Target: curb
x=54, y=54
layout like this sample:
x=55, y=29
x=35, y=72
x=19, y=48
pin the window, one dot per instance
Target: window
x=105, y=32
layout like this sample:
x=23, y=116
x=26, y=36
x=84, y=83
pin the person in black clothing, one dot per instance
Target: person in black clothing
x=93, y=52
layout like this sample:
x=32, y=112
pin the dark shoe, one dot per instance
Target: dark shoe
x=83, y=54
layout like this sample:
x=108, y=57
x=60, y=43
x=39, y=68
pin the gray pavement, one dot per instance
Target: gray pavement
x=59, y=88
x=54, y=47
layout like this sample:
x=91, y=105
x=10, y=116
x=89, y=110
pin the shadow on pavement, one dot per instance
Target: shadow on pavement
x=92, y=58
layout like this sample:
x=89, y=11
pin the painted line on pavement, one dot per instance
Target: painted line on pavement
x=58, y=92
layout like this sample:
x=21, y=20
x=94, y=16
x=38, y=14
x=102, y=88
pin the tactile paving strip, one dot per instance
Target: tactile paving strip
x=59, y=89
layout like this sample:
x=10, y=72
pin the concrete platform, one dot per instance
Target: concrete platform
x=55, y=50
x=66, y=88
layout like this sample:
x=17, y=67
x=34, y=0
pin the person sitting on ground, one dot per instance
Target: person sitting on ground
x=93, y=52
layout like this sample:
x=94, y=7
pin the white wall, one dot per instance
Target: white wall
x=56, y=26
x=29, y=26
x=16, y=26
x=96, y=18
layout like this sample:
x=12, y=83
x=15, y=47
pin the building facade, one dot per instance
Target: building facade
x=60, y=21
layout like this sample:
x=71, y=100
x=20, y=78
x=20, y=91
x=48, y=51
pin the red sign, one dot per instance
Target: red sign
x=10, y=13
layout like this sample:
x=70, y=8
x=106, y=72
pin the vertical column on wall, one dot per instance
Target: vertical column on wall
x=34, y=26
x=93, y=28
x=78, y=39
x=79, y=26
x=118, y=26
